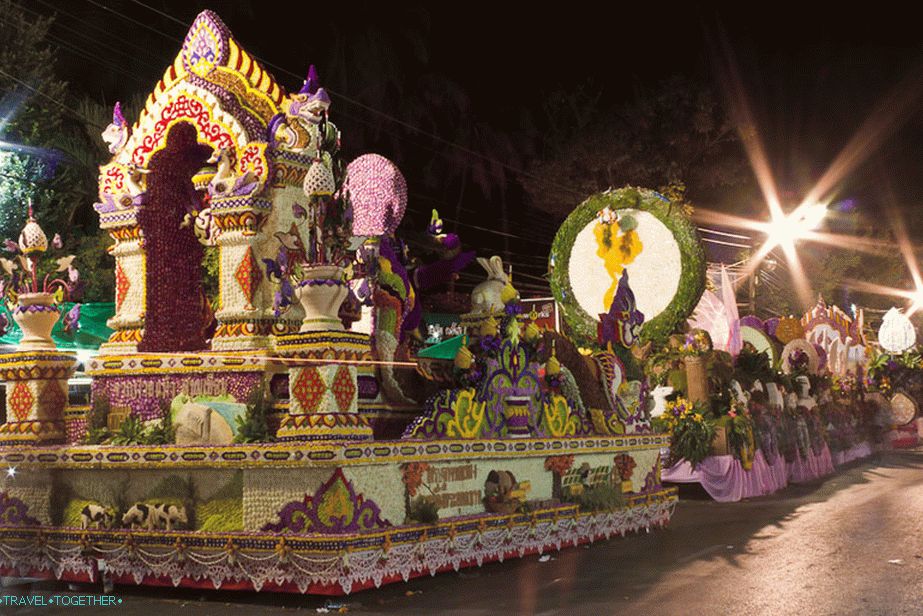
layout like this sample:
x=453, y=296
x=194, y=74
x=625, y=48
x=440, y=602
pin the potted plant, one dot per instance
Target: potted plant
x=32, y=287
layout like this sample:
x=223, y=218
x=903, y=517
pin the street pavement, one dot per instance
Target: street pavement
x=850, y=544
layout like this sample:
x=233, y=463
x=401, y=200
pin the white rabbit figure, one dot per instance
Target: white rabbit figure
x=495, y=292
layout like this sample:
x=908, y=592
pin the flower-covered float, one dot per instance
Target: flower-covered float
x=261, y=440
x=782, y=401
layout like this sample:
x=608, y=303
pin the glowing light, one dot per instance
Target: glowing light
x=784, y=230
x=11, y=471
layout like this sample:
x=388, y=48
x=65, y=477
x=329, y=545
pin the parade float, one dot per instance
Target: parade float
x=255, y=440
x=782, y=401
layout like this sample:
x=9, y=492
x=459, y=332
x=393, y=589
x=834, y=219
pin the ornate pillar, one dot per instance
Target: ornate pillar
x=36, y=395
x=247, y=225
x=130, y=285
x=244, y=320
x=323, y=393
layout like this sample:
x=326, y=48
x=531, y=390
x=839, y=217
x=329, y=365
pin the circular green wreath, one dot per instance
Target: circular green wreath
x=692, y=278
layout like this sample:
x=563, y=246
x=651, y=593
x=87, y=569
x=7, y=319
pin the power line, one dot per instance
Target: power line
x=92, y=25
x=85, y=36
x=63, y=106
x=361, y=105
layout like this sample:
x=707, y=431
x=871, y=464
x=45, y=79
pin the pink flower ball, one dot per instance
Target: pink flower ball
x=378, y=192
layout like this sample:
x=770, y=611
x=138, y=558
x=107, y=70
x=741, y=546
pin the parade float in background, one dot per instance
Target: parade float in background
x=782, y=401
x=263, y=442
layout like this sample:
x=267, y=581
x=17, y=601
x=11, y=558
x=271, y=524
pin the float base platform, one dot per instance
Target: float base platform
x=325, y=518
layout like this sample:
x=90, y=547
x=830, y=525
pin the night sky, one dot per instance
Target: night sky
x=812, y=75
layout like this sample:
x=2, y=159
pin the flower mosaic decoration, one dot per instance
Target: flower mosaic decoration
x=334, y=508
x=559, y=465
x=624, y=465
x=621, y=325
x=412, y=476
x=378, y=192
x=502, y=392
x=896, y=333
x=14, y=512
x=631, y=230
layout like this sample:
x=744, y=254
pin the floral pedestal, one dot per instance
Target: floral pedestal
x=36, y=395
x=36, y=314
x=696, y=379
x=323, y=393
x=320, y=293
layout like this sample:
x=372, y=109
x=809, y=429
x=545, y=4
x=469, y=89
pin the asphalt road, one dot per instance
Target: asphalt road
x=851, y=544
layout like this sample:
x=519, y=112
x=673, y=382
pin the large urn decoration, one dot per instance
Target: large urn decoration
x=36, y=315
x=321, y=292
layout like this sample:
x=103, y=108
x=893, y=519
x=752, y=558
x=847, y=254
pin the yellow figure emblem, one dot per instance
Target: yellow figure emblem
x=617, y=249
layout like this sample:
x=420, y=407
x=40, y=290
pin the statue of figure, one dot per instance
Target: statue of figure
x=805, y=398
x=117, y=133
x=496, y=292
x=135, y=186
x=297, y=128
x=622, y=324
x=226, y=182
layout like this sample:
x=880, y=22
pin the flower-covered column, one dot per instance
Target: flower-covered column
x=246, y=317
x=130, y=283
x=323, y=398
x=36, y=395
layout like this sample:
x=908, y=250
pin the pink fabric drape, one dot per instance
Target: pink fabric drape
x=729, y=299
x=725, y=479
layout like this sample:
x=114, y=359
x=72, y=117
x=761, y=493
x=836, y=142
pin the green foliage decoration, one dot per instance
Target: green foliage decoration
x=253, y=427
x=601, y=497
x=97, y=436
x=131, y=432
x=671, y=214
x=224, y=511
x=423, y=509
x=161, y=433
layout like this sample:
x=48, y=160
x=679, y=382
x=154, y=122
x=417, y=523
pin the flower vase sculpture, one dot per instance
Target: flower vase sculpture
x=321, y=293
x=36, y=374
x=36, y=298
x=311, y=269
x=36, y=315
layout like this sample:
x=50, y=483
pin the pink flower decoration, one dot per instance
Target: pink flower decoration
x=378, y=192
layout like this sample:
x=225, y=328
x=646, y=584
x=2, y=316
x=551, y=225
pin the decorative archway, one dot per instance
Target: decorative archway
x=227, y=100
x=176, y=315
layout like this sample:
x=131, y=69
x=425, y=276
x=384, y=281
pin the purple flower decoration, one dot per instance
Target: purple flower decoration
x=117, y=117
x=10, y=246
x=56, y=241
x=283, y=298
x=490, y=344
x=277, y=269
x=311, y=82
x=72, y=320
x=622, y=324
